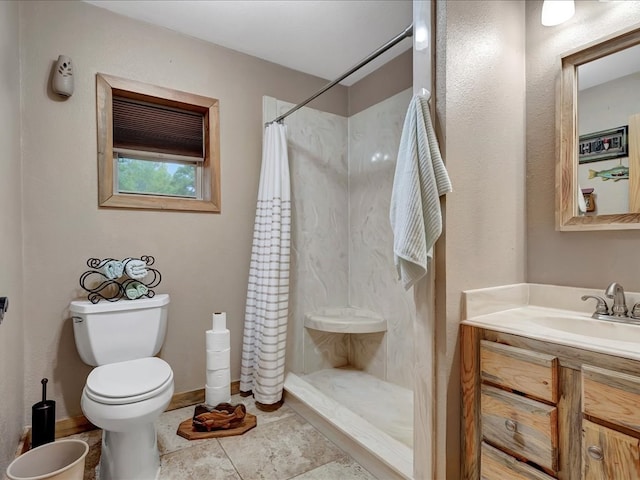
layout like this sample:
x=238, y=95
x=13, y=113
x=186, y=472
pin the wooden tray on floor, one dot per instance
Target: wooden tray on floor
x=186, y=430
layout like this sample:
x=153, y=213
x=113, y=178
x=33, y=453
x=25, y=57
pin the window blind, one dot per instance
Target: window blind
x=156, y=128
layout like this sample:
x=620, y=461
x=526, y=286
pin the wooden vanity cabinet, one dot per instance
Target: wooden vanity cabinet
x=520, y=425
x=608, y=454
x=497, y=465
x=515, y=392
x=535, y=410
x=534, y=374
x=613, y=399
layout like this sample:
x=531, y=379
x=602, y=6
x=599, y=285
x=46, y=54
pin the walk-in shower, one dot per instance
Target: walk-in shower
x=353, y=382
x=350, y=340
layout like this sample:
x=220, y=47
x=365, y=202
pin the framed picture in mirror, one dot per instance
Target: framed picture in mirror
x=603, y=145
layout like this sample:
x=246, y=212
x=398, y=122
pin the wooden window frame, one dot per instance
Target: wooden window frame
x=106, y=87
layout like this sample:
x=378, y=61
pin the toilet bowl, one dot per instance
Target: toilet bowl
x=130, y=387
x=124, y=399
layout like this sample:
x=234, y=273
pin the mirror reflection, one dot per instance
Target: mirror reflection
x=608, y=105
x=598, y=167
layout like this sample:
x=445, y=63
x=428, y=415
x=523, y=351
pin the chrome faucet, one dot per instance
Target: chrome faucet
x=619, y=308
x=619, y=311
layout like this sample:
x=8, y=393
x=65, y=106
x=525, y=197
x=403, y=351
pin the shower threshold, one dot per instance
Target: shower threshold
x=383, y=447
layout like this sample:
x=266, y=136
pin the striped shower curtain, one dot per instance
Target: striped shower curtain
x=265, y=322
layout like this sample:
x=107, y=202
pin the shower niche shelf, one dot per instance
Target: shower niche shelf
x=345, y=320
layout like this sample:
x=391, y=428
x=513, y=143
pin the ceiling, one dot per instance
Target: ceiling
x=324, y=38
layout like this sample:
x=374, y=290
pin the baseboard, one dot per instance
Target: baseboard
x=193, y=397
x=185, y=399
x=24, y=443
x=71, y=426
x=235, y=387
x=79, y=424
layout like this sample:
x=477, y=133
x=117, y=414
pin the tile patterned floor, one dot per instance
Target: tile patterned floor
x=282, y=447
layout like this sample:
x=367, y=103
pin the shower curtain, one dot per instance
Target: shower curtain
x=267, y=307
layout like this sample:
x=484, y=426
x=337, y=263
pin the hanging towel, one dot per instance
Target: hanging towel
x=420, y=179
x=267, y=306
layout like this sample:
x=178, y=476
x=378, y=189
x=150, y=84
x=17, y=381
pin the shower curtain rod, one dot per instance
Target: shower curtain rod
x=408, y=32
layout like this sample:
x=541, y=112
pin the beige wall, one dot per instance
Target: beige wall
x=203, y=258
x=497, y=146
x=581, y=259
x=480, y=89
x=11, y=330
x=391, y=78
x=492, y=237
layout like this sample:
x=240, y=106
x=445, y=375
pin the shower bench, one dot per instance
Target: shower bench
x=345, y=320
x=337, y=337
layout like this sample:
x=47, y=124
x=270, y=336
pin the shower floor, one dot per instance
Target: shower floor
x=387, y=406
x=370, y=419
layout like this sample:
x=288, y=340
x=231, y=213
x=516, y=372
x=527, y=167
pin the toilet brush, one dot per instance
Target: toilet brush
x=43, y=419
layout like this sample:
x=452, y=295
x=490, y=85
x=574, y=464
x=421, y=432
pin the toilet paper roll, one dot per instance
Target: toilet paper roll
x=219, y=321
x=218, y=378
x=218, y=359
x=216, y=395
x=218, y=341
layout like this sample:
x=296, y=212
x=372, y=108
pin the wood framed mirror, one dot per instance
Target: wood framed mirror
x=598, y=136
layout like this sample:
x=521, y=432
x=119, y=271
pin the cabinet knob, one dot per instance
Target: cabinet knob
x=595, y=452
x=510, y=425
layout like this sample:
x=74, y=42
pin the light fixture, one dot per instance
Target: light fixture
x=554, y=12
x=422, y=37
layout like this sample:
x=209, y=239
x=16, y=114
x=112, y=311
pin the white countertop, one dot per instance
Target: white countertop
x=574, y=328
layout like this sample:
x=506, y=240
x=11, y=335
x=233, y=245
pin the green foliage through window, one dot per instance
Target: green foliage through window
x=156, y=178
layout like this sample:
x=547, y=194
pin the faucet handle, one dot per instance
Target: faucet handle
x=635, y=311
x=601, y=306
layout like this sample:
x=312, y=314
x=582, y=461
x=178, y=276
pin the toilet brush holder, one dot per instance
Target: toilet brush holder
x=43, y=419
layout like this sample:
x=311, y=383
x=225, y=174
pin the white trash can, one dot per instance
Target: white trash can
x=61, y=460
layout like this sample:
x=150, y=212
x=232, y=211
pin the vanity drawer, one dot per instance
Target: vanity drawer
x=611, y=396
x=608, y=454
x=532, y=373
x=526, y=427
x=496, y=465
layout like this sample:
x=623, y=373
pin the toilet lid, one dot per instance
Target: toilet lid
x=127, y=382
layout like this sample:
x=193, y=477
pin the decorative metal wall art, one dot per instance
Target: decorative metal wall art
x=112, y=280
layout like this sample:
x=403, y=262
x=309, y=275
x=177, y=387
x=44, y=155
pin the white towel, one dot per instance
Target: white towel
x=112, y=269
x=420, y=179
x=136, y=269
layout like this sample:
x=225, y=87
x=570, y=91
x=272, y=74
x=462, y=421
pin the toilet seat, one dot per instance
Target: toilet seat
x=129, y=382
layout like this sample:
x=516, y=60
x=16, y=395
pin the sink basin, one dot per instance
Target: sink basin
x=553, y=314
x=589, y=327
x=566, y=327
x=345, y=320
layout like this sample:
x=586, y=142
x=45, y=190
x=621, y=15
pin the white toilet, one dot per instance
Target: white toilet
x=129, y=388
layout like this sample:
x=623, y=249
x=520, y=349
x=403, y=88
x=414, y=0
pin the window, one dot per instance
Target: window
x=157, y=148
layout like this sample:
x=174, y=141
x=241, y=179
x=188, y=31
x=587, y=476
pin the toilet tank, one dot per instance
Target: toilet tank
x=109, y=332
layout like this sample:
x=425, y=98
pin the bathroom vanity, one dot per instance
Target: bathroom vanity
x=547, y=391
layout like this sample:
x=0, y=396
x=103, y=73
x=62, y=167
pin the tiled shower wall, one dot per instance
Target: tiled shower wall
x=374, y=137
x=320, y=235
x=341, y=178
